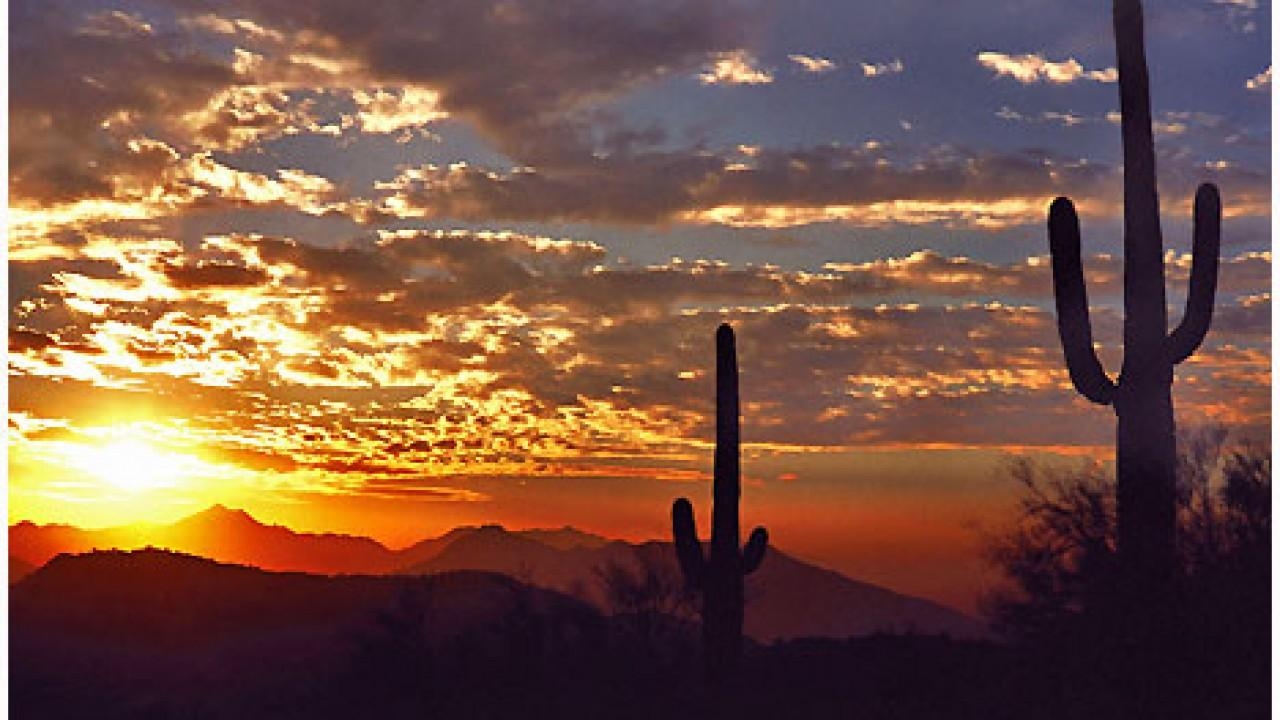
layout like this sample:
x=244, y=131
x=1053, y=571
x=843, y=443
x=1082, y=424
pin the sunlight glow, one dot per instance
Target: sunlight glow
x=135, y=465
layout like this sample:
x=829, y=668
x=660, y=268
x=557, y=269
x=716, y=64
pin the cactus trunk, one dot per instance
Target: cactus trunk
x=722, y=616
x=1145, y=450
x=1146, y=500
x=719, y=575
x=1142, y=397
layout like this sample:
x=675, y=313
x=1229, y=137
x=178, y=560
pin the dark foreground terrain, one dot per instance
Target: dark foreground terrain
x=154, y=634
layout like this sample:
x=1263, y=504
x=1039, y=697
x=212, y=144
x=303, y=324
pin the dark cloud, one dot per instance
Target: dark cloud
x=69, y=75
x=857, y=184
x=520, y=71
x=186, y=277
x=124, y=106
x=531, y=76
x=21, y=340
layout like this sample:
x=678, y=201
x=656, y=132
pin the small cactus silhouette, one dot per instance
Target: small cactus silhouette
x=720, y=574
x=1141, y=397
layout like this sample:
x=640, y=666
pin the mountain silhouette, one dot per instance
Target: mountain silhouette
x=132, y=595
x=141, y=633
x=565, y=538
x=495, y=549
x=786, y=598
x=218, y=533
x=19, y=568
x=235, y=536
x=37, y=544
x=424, y=551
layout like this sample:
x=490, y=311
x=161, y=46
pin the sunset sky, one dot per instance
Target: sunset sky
x=389, y=267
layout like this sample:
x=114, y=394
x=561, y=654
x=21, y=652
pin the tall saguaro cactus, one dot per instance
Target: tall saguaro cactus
x=719, y=575
x=1141, y=397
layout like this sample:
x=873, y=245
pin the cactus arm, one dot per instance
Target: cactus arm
x=688, y=548
x=1072, y=301
x=1204, y=276
x=753, y=553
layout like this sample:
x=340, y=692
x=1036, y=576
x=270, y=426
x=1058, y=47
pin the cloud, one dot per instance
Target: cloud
x=1261, y=81
x=395, y=111
x=414, y=364
x=213, y=274
x=142, y=141
x=1033, y=68
x=736, y=67
x=243, y=116
x=812, y=63
x=240, y=28
x=1173, y=123
x=1168, y=123
x=187, y=105
x=474, y=352
x=927, y=273
x=117, y=24
x=873, y=70
x=530, y=102
x=1063, y=118
x=1240, y=14
x=78, y=86
x=866, y=185
x=88, y=89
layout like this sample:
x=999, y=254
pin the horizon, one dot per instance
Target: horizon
x=236, y=510
x=218, y=507
x=356, y=275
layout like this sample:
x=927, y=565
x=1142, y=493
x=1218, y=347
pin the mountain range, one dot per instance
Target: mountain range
x=786, y=598
x=154, y=633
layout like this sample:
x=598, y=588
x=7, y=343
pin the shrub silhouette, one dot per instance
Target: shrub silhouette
x=719, y=574
x=1141, y=397
x=1064, y=592
x=649, y=599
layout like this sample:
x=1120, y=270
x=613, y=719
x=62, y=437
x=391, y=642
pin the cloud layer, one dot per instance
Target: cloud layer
x=469, y=353
x=322, y=241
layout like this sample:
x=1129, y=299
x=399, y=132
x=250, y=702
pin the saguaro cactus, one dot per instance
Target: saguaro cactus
x=1141, y=397
x=720, y=574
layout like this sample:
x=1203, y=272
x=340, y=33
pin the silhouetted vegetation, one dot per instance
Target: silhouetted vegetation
x=1066, y=594
x=719, y=574
x=156, y=634
x=648, y=599
x=1141, y=398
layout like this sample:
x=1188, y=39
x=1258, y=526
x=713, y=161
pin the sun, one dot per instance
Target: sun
x=134, y=465
x=117, y=475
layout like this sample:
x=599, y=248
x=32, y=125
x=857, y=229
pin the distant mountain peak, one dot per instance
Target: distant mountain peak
x=564, y=538
x=238, y=512
x=222, y=512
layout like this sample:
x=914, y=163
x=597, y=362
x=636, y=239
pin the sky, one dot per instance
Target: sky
x=386, y=268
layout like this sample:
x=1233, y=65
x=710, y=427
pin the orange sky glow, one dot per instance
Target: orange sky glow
x=256, y=260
